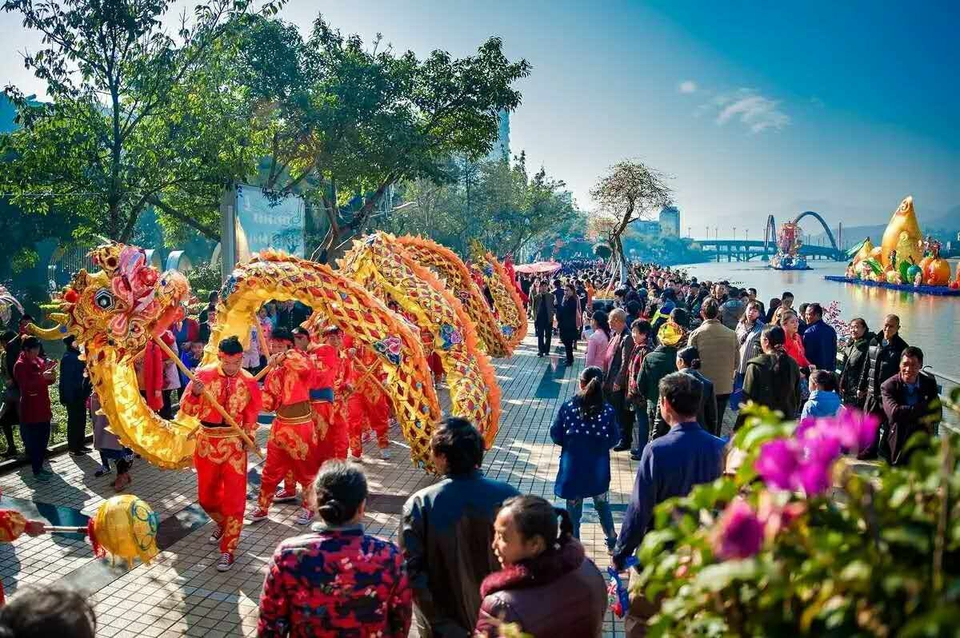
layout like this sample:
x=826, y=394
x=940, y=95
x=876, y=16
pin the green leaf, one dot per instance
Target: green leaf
x=717, y=577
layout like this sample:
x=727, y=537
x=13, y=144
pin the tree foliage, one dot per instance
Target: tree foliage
x=347, y=121
x=137, y=117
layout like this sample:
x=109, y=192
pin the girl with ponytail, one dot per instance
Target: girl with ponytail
x=586, y=430
x=547, y=585
x=317, y=572
x=772, y=379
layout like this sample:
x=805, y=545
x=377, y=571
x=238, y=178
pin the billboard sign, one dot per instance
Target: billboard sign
x=269, y=221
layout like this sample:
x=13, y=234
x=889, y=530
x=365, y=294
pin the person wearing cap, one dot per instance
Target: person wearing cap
x=293, y=442
x=219, y=456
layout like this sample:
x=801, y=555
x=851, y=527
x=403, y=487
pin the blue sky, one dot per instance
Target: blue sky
x=752, y=108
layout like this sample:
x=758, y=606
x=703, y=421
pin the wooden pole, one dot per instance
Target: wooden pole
x=229, y=420
x=62, y=529
x=264, y=348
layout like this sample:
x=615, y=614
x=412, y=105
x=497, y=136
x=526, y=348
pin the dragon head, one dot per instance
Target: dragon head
x=123, y=305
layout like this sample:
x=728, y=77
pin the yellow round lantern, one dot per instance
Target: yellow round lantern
x=125, y=527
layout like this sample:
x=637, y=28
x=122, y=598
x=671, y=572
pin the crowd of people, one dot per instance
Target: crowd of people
x=670, y=364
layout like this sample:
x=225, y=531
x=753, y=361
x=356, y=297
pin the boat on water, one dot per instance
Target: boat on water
x=940, y=291
x=788, y=262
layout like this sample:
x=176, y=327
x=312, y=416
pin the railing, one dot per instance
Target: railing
x=953, y=382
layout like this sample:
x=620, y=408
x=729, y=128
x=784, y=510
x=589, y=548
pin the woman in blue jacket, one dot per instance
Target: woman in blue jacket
x=586, y=430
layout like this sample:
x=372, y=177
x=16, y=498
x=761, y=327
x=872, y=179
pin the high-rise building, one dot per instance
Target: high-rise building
x=501, y=148
x=670, y=221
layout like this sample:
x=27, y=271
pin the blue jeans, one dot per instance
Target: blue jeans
x=35, y=437
x=602, y=505
x=641, y=428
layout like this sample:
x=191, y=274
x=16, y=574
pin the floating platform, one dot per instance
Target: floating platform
x=941, y=291
x=790, y=267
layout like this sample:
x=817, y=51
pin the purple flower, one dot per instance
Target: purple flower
x=857, y=429
x=740, y=533
x=813, y=476
x=778, y=462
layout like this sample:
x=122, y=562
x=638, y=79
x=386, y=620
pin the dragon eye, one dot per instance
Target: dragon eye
x=103, y=299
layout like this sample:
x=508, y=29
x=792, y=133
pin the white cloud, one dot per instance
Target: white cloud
x=687, y=86
x=750, y=108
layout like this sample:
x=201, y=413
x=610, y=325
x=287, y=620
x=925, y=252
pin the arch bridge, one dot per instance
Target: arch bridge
x=745, y=249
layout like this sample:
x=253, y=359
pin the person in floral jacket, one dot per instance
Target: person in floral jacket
x=337, y=581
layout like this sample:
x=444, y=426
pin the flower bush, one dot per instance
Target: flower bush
x=803, y=540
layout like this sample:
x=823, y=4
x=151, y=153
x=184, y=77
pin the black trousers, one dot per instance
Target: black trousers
x=722, y=401
x=9, y=419
x=621, y=407
x=657, y=426
x=36, y=437
x=76, y=424
x=544, y=336
x=166, y=412
x=568, y=347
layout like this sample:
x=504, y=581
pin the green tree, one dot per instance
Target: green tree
x=346, y=121
x=138, y=118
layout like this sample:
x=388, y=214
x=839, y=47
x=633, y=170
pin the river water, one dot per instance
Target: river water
x=927, y=321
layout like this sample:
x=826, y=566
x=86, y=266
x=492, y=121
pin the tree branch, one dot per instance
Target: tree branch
x=206, y=231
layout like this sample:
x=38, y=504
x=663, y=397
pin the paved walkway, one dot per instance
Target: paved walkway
x=181, y=593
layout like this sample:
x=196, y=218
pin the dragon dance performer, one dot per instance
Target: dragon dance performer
x=293, y=442
x=332, y=384
x=367, y=403
x=12, y=525
x=220, y=457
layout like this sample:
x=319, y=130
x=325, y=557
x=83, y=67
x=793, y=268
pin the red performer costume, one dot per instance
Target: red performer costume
x=367, y=404
x=293, y=442
x=330, y=388
x=12, y=525
x=220, y=457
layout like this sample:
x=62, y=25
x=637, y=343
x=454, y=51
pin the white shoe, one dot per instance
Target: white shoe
x=225, y=562
x=385, y=454
x=305, y=517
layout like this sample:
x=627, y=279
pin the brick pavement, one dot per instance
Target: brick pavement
x=181, y=593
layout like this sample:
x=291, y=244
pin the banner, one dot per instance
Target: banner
x=270, y=221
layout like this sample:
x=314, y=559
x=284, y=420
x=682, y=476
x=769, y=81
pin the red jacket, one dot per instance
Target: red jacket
x=34, y=390
x=153, y=375
x=239, y=395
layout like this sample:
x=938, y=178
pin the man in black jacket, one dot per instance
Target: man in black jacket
x=615, y=379
x=74, y=390
x=883, y=362
x=446, y=534
x=911, y=402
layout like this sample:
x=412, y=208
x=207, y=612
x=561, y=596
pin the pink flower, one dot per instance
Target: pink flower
x=740, y=532
x=778, y=462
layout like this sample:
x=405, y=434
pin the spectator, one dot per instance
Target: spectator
x=634, y=308
x=615, y=379
x=773, y=378
x=794, y=343
x=752, y=294
x=252, y=355
x=568, y=321
x=772, y=311
x=107, y=443
x=731, y=310
x=853, y=359
x=911, y=402
x=206, y=324
x=337, y=580
x=53, y=610
x=171, y=376
x=657, y=365
x=543, y=317
x=190, y=357
x=548, y=587
x=819, y=339
x=824, y=400
x=748, y=336
x=640, y=331
x=558, y=294
x=186, y=331
x=719, y=352
x=883, y=361
x=9, y=396
x=34, y=376
x=74, y=389
x=688, y=362
x=599, y=338
x=585, y=428
x=671, y=466
x=451, y=523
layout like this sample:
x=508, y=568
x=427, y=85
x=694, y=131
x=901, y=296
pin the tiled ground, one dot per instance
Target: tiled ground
x=180, y=593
